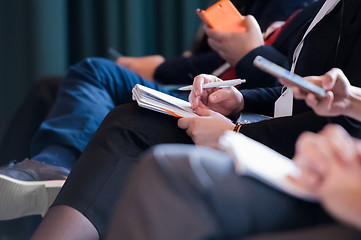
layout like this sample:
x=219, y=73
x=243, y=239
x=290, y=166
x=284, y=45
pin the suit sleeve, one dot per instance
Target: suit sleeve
x=281, y=134
x=255, y=77
x=258, y=97
x=182, y=70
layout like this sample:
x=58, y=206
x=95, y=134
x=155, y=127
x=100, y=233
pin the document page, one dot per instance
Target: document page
x=256, y=160
x=161, y=102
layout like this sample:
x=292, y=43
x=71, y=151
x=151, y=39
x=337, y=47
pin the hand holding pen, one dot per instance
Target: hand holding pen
x=220, y=84
x=220, y=97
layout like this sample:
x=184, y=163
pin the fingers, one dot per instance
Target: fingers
x=183, y=123
x=217, y=96
x=199, y=94
x=331, y=145
x=200, y=80
x=196, y=91
x=343, y=146
x=220, y=95
x=310, y=152
x=216, y=35
x=332, y=76
x=203, y=111
x=217, y=40
x=197, y=84
x=320, y=105
x=251, y=23
x=298, y=93
x=308, y=178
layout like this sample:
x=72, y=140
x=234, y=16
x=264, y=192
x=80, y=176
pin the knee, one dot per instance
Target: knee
x=178, y=162
x=162, y=165
x=126, y=116
x=97, y=66
x=93, y=68
x=198, y=165
x=173, y=159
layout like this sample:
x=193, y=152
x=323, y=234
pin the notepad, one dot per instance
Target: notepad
x=256, y=160
x=161, y=102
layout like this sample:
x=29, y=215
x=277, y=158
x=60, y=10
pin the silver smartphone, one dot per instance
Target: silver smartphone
x=288, y=77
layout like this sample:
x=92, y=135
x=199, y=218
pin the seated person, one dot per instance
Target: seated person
x=205, y=198
x=128, y=130
x=182, y=70
x=160, y=201
x=88, y=92
x=175, y=71
x=94, y=87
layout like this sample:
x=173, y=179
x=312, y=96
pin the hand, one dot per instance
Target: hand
x=227, y=101
x=315, y=153
x=331, y=168
x=206, y=130
x=338, y=95
x=233, y=46
x=144, y=66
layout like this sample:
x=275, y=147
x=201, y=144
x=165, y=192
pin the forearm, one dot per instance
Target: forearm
x=182, y=70
x=261, y=100
x=254, y=76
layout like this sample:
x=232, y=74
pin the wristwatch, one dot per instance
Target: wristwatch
x=237, y=127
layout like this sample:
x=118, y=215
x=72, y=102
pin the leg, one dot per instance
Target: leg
x=58, y=217
x=89, y=91
x=183, y=192
x=98, y=177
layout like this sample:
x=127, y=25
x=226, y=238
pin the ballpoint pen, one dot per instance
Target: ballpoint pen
x=222, y=84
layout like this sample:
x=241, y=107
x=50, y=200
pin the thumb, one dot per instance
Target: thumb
x=329, y=80
x=250, y=22
x=218, y=96
x=203, y=111
x=332, y=76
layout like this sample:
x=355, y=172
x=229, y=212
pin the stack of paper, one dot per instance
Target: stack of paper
x=161, y=102
x=257, y=160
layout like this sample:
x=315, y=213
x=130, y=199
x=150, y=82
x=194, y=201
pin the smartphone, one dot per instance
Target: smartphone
x=287, y=76
x=223, y=16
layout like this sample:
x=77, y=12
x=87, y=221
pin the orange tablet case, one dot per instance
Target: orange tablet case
x=224, y=16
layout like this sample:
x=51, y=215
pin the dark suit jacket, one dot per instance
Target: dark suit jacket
x=318, y=56
x=320, y=53
x=180, y=70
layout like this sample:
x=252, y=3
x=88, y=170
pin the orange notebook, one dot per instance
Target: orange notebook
x=223, y=16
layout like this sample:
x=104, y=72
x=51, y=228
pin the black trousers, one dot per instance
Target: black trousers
x=98, y=178
x=100, y=173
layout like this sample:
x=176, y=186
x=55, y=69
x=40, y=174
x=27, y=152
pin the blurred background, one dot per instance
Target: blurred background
x=41, y=38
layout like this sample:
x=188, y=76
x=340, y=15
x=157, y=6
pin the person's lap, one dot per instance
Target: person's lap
x=89, y=91
x=98, y=177
x=212, y=198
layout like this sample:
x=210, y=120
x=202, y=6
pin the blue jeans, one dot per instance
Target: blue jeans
x=89, y=91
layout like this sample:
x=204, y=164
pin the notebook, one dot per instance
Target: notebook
x=161, y=102
x=256, y=160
